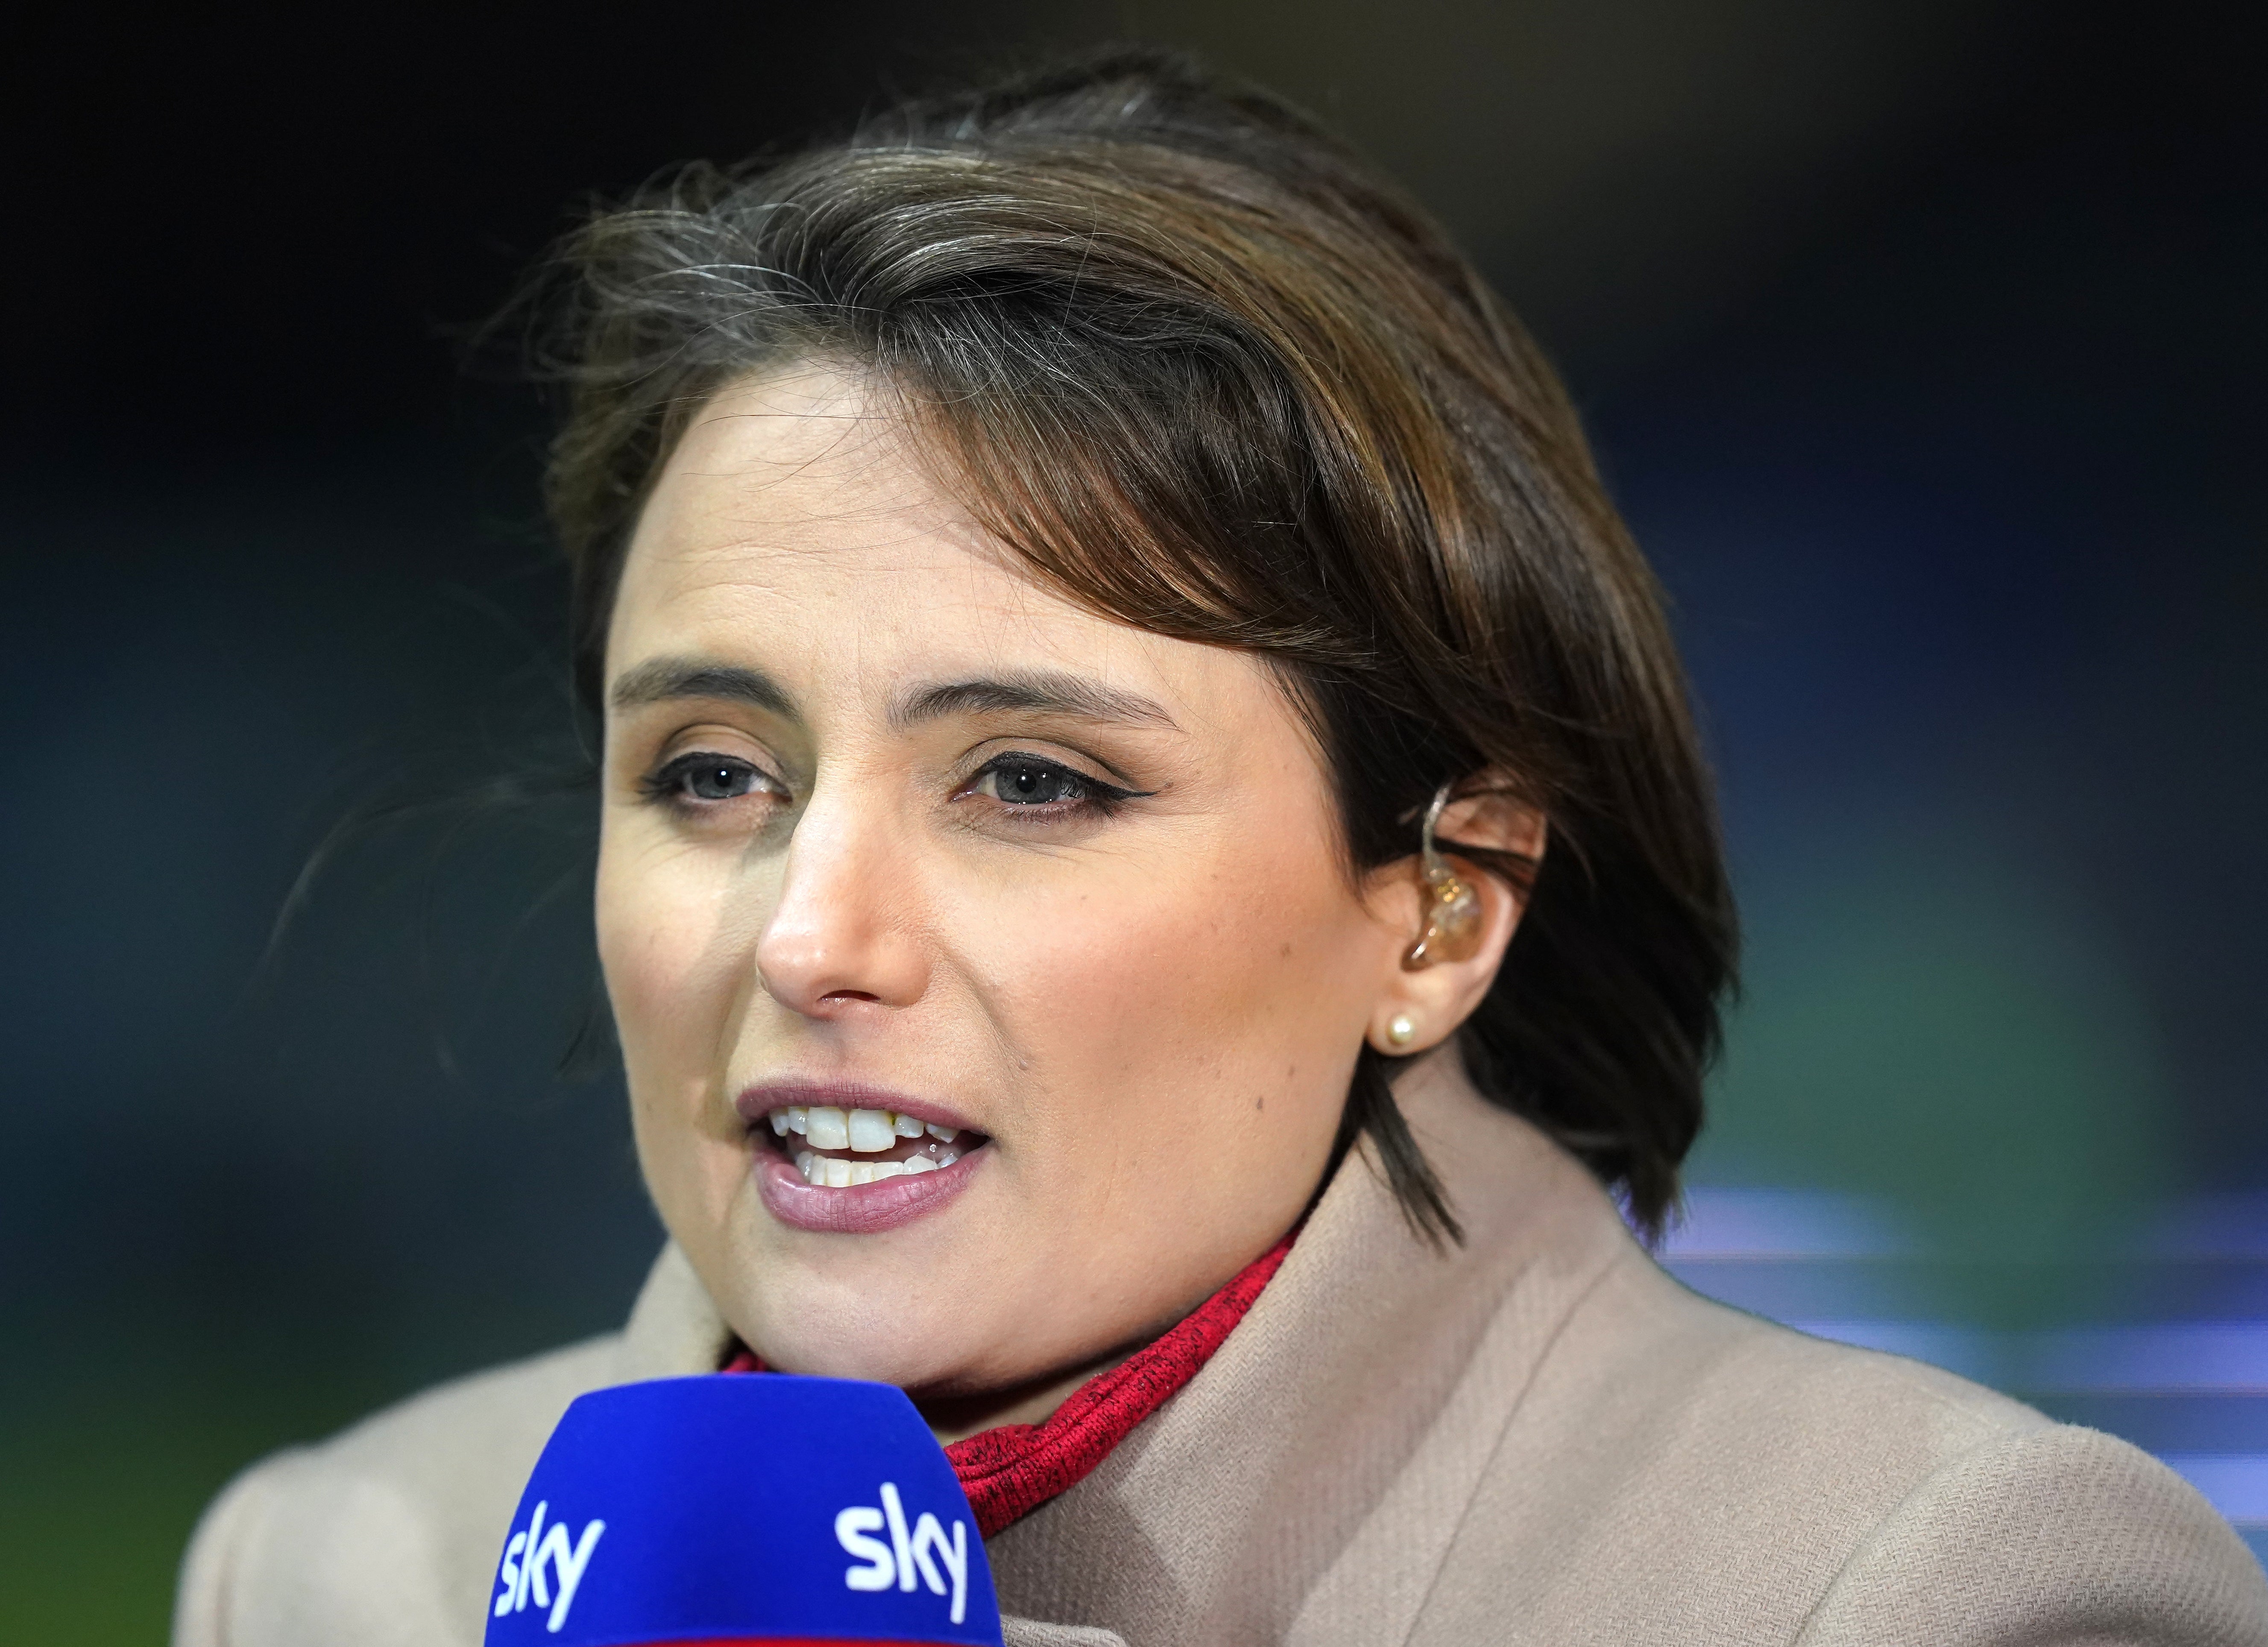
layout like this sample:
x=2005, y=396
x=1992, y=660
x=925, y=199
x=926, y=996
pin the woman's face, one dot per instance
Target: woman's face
x=1035, y=920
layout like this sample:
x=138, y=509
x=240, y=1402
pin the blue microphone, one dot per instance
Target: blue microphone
x=743, y=1508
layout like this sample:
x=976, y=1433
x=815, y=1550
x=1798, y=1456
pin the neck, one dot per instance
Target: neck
x=1433, y=1083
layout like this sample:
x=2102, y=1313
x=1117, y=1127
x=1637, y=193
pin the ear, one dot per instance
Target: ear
x=1433, y=999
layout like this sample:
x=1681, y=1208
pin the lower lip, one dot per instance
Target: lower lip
x=857, y=1208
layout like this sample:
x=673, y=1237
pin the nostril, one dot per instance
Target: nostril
x=848, y=995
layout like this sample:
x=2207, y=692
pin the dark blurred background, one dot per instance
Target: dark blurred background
x=1923, y=343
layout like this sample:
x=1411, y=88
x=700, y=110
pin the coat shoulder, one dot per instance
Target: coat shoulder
x=1703, y=1381
x=1717, y=1476
x=388, y=1532
x=2058, y=1534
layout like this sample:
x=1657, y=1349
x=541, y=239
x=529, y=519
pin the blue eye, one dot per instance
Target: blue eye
x=706, y=778
x=718, y=781
x=1030, y=783
x=1022, y=782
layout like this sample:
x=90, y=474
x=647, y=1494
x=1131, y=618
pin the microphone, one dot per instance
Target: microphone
x=738, y=1508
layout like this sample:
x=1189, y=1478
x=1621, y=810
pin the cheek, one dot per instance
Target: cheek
x=1226, y=1006
x=667, y=947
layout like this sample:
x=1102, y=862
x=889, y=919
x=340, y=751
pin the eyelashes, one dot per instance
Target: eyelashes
x=1035, y=786
x=1038, y=786
x=699, y=780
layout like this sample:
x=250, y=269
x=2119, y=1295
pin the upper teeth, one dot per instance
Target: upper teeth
x=864, y=1131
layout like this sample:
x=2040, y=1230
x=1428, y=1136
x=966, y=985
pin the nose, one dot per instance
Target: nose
x=843, y=934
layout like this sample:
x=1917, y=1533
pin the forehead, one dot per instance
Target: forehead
x=795, y=515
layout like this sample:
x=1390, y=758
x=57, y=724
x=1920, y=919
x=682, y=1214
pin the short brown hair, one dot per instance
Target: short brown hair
x=1209, y=375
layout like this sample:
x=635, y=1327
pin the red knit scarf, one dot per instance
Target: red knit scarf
x=1010, y=1471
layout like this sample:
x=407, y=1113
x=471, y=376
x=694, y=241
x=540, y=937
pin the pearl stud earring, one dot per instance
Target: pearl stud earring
x=1453, y=908
x=1399, y=1031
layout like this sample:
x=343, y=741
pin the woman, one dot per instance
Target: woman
x=1156, y=886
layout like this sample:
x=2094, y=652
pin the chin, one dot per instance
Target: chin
x=829, y=1332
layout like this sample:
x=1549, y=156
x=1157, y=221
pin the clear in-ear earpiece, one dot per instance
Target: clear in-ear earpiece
x=1453, y=908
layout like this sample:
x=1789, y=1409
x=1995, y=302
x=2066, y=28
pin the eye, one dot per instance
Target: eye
x=1021, y=781
x=701, y=778
x=717, y=780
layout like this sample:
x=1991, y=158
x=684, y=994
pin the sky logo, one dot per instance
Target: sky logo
x=910, y=1557
x=724, y=1496
x=528, y=1555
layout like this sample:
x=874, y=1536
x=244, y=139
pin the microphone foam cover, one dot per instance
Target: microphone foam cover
x=743, y=1507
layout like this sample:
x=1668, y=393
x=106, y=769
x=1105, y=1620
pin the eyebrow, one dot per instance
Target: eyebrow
x=1041, y=691
x=660, y=680
x=664, y=680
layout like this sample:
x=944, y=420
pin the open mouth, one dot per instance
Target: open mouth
x=835, y=1148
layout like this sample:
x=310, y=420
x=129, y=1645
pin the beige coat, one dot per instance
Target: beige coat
x=1542, y=1438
